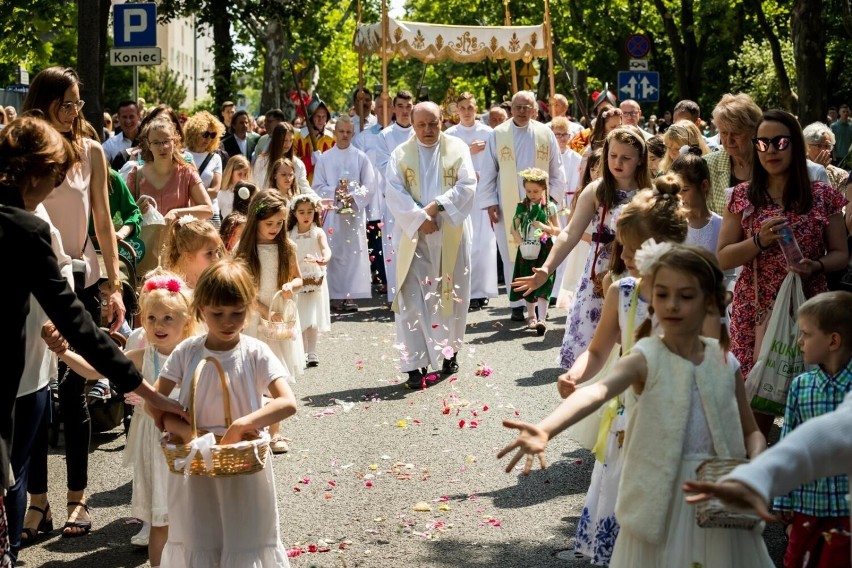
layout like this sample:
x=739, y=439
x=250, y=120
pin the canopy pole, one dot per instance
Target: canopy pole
x=511, y=63
x=549, y=39
x=360, y=76
x=385, y=31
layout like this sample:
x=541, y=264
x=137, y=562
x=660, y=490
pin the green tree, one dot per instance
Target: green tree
x=753, y=71
x=161, y=85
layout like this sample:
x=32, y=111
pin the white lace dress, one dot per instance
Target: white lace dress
x=290, y=351
x=149, y=501
x=313, y=300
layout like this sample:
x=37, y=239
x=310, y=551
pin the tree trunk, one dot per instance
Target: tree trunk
x=223, y=50
x=785, y=90
x=687, y=51
x=273, y=58
x=90, y=62
x=808, y=29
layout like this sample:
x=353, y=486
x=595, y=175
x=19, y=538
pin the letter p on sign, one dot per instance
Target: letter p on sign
x=135, y=21
x=135, y=25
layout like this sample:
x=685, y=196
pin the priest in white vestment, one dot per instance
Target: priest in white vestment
x=483, y=258
x=348, y=272
x=389, y=138
x=515, y=145
x=431, y=189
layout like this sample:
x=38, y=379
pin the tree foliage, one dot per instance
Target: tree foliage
x=161, y=85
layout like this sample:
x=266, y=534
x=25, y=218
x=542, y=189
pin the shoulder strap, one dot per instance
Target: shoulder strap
x=204, y=164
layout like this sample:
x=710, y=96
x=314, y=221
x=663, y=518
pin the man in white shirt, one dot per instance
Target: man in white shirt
x=515, y=145
x=389, y=138
x=271, y=119
x=431, y=192
x=349, y=268
x=128, y=119
x=483, y=268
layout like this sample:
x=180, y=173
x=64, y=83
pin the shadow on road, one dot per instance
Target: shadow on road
x=106, y=547
x=389, y=392
x=541, y=377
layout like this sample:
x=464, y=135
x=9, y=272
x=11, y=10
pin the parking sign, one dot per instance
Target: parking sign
x=135, y=25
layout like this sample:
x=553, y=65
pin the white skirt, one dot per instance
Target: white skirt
x=686, y=544
x=572, y=272
x=149, y=501
x=314, y=310
x=224, y=522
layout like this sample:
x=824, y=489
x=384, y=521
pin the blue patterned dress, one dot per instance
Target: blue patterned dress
x=585, y=312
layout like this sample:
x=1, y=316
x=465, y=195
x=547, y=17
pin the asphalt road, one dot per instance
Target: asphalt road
x=365, y=452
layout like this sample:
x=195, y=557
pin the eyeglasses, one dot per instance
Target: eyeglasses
x=210, y=135
x=526, y=108
x=780, y=142
x=561, y=134
x=161, y=143
x=67, y=107
x=825, y=146
x=630, y=113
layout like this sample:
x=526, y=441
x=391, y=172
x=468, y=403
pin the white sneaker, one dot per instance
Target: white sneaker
x=141, y=538
x=313, y=360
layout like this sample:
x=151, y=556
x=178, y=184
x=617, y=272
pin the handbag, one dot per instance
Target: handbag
x=779, y=360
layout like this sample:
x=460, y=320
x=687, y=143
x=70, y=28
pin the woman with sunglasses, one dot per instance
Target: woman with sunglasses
x=779, y=195
x=203, y=133
x=55, y=92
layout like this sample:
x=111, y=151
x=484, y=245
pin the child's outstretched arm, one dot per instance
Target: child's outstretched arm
x=325, y=250
x=282, y=405
x=732, y=491
x=755, y=442
x=532, y=441
x=562, y=245
x=591, y=361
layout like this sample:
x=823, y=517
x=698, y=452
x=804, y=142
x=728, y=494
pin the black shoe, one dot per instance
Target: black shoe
x=416, y=379
x=483, y=302
x=518, y=314
x=552, y=302
x=474, y=305
x=450, y=366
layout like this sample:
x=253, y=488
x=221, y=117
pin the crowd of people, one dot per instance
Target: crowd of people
x=667, y=241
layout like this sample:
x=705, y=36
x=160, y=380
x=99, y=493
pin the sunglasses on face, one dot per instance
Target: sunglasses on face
x=210, y=135
x=780, y=142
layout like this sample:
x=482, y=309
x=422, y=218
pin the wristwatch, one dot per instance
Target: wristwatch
x=440, y=207
x=115, y=284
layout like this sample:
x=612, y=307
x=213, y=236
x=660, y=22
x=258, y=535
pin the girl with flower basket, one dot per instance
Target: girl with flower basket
x=533, y=225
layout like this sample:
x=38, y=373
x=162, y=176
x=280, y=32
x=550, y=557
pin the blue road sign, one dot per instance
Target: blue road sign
x=135, y=25
x=639, y=85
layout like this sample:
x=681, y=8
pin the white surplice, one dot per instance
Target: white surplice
x=349, y=269
x=489, y=185
x=420, y=325
x=389, y=138
x=483, y=279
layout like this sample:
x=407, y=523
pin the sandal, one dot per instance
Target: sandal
x=85, y=526
x=45, y=526
x=531, y=323
x=278, y=444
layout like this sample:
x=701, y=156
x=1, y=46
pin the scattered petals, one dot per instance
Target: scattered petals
x=462, y=423
x=422, y=507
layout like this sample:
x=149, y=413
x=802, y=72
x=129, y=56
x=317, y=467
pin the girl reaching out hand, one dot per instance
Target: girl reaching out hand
x=691, y=394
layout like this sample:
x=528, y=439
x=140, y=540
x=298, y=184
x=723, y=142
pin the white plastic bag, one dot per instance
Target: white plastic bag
x=152, y=216
x=780, y=360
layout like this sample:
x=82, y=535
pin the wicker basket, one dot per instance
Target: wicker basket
x=714, y=514
x=247, y=456
x=530, y=249
x=276, y=329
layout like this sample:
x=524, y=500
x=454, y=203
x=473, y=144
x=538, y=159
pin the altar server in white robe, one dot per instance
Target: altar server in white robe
x=348, y=272
x=431, y=192
x=515, y=145
x=389, y=138
x=483, y=268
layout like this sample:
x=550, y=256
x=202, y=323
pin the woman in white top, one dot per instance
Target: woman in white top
x=203, y=133
x=280, y=146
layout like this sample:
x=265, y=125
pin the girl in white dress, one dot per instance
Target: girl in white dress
x=164, y=309
x=237, y=170
x=691, y=407
x=271, y=260
x=653, y=214
x=313, y=253
x=226, y=522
